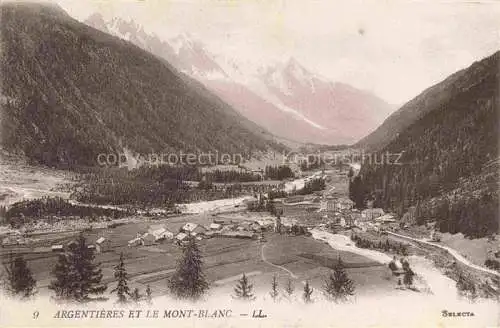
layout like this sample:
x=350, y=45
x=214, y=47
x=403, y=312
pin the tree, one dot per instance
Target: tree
x=338, y=286
x=277, y=227
x=289, y=288
x=274, y=289
x=76, y=275
x=405, y=264
x=136, y=295
x=408, y=277
x=149, y=295
x=19, y=281
x=356, y=192
x=350, y=174
x=467, y=287
x=243, y=289
x=89, y=274
x=64, y=276
x=392, y=265
x=122, y=289
x=307, y=293
x=188, y=281
x=3, y=214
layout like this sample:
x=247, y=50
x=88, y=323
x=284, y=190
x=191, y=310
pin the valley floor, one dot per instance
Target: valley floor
x=295, y=258
x=21, y=181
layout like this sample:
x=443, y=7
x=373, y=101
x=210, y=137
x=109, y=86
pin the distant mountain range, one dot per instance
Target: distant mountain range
x=71, y=92
x=284, y=98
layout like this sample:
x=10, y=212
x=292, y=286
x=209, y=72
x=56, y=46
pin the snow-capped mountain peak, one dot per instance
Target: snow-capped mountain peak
x=183, y=51
x=184, y=40
x=289, y=77
x=316, y=109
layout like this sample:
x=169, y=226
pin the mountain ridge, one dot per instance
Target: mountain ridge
x=447, y=145
x=189, y=56
x=71, y=92
x=427, y=100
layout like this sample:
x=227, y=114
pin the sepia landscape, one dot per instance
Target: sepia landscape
x=140, y=170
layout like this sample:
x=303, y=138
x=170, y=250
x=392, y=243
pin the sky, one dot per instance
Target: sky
x=393, y=48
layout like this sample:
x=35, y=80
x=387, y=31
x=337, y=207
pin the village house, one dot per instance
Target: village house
x=148, y=239
x=199, y=230
x=344, y=204
x=181, y=237
x=330, y=204
x=327, y=205
x=188, y=227
x=103, y=245
x=386, y=218
x=163, y=234
x=228, y=227
x=370, y=214
x=265, y=223
x=215, y=226
x=155, y=227
x=193, y=229
x=160, y=232
x=134, y=242
x=57, y=248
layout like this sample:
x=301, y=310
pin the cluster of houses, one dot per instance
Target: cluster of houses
x=155, y=234
x=221, y=227
x=101, y=245
x=218, y=228
x=341, y=211
x=159, y=233
x=332, y=204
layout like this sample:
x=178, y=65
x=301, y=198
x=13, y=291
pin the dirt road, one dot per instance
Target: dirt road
x=452, y=252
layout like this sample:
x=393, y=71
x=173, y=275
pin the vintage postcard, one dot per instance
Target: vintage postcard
x=249, y=163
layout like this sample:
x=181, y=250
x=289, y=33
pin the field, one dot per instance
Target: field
x=225, y=259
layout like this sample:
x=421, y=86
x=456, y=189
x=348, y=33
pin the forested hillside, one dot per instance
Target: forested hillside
x=433, y=98
x=449, y=155
x=70, y=92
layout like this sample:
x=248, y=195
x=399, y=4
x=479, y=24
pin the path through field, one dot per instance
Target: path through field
x=274, y=265
x=452, y=252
